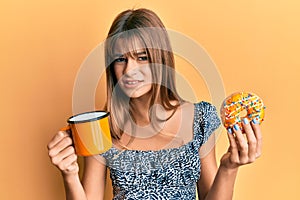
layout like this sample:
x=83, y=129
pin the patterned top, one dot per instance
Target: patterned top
x=166, y=173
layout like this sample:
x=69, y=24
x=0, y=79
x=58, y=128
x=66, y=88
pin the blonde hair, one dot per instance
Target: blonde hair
x=145, y=27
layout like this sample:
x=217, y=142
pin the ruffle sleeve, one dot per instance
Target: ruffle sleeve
x=206, y=121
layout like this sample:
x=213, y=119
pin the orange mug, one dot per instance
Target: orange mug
x=90, y=132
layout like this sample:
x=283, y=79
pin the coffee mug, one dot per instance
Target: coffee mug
x=90, y=132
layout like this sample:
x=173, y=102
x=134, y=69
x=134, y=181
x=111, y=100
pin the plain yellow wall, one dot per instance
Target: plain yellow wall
x=255, y=45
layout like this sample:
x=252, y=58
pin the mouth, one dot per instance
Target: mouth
x=132, y=83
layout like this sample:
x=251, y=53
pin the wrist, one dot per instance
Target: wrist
x=229, y=171
x=70, y=178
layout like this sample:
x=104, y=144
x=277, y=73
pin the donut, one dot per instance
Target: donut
x=241, y=105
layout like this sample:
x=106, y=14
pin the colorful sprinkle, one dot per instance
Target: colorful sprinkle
x=235, y=103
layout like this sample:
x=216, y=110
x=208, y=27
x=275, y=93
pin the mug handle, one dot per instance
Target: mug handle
x=66, y=128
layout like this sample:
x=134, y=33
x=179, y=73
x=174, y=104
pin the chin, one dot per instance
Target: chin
x=141, y=92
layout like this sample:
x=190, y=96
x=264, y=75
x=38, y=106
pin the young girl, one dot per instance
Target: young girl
x=157, y=136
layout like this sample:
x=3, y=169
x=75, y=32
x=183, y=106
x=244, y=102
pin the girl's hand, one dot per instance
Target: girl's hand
x=243, y=149
x=62, y=153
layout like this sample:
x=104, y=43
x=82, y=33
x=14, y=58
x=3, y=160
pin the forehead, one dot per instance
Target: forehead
x=125, y=45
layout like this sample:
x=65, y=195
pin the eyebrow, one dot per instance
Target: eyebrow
x=141, y=52
x=118, y=55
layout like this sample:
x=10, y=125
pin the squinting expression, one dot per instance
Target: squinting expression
x=133, y=73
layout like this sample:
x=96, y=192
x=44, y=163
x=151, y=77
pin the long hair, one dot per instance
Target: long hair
x=145, y=27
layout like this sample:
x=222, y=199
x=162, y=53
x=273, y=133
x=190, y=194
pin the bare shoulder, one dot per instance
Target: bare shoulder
x=187, y=110
x=183, y=111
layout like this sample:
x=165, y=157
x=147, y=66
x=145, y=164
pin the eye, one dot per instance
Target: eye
x=143, y=58
x=120, y=60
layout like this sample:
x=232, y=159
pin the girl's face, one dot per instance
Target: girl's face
x=133, y=72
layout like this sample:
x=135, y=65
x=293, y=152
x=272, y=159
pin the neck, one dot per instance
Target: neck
x=141, y=109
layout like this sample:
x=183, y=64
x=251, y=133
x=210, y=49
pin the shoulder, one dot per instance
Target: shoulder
x=206, y=120
x=204, y=107
x=202, y=110
x=205, y=111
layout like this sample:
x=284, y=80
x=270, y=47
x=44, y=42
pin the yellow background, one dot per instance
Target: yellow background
x=255, y=45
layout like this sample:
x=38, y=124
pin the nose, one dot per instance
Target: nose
x=131, y=66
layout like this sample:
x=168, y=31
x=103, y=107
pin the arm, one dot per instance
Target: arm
x=62, y=155
x=93, y=181
x=215, y=183
x=73, y=188
x=94, y=175
x=219, y=183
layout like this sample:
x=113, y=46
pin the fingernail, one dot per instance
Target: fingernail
x=236, y=127
x=229, y=130
x=255, y=121
x=245, y=120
